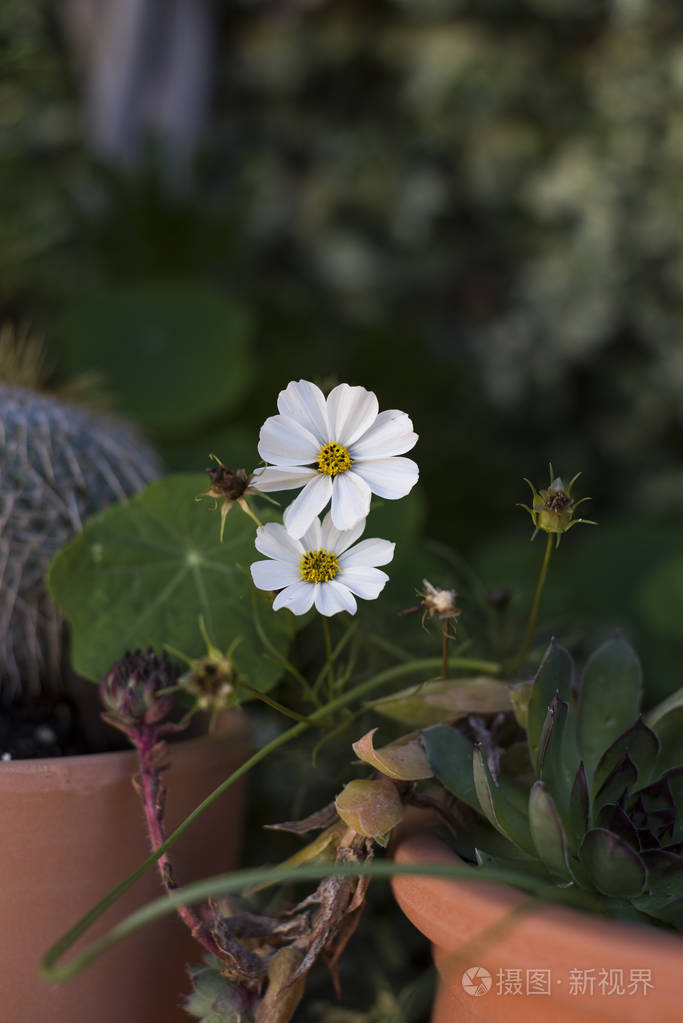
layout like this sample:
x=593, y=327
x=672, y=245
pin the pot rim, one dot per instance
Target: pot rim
x=488, y=904
x=233, y=725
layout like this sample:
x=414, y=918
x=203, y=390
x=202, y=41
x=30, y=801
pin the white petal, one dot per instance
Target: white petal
x=390, y=434
x=337, y=540
x=388, y=477
x=287, y=478
x=304, y=508
x=365, y=582
x=312, y=538
x=274, y=541
x=368, y=553
x=332, y=597
x=298, y=598
x=273, y=575
x=350, y=411
x=303, y=401
x=283, y=441
x=350, y=500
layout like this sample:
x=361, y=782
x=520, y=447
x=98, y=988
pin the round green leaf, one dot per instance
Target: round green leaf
x=174, y=354
x=141, y=573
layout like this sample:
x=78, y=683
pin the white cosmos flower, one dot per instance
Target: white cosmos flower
x=341, y=449
x=321, y=568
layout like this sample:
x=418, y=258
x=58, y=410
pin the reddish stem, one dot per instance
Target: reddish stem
x=153, y=795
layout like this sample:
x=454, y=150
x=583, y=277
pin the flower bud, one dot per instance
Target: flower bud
x=552, y=510
x=130, y=691
x=370, y=807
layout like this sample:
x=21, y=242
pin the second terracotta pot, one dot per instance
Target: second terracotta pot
x=502, y=955
x=72, y=828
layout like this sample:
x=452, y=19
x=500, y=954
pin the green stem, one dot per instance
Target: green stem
x=273, y=703
x=383, y=678
x=240, y=880
x=536, y=603
x=329, y=657
x=444, y=650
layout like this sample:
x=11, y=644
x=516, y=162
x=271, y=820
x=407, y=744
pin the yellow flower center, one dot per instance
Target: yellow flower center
x=333, y=459
x=318, y=566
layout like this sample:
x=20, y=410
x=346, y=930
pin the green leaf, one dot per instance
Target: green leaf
x=579, y=809
x=450, y=754
x=445, y=700
x=612, y=818
x=674, y=777
x=498, y=803
x=141, y=573
x=642, y=746
x=669, y=730
x=609, y=699
x=518, y=869
x=614, y=867
x=618, y=782
x=554, y=676
x=661, y=597
x=547, y=831
x=557, y=755
x=175, y=354
x=664, y=873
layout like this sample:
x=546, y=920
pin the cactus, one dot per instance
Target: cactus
x=59, y=463
x=595, y=803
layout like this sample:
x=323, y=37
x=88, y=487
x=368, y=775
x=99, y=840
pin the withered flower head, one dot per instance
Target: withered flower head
x=439, y=602
x=229, y=486
x=552, y=510
x=212, y=681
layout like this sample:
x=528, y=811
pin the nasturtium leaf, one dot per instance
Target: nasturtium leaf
x=174, y=354
x=609, y=699
x=450, y=754
x=614, y=867
x=547, y=831
x=141, y=574
x=554, y=675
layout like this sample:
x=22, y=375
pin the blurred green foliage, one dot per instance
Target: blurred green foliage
x=471, y=208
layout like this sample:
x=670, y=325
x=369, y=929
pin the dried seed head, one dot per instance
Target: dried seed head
x=439, y=602
x=229, y=486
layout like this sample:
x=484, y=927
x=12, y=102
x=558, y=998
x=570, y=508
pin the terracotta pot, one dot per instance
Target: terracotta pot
x=502, y=955
x=72, y=828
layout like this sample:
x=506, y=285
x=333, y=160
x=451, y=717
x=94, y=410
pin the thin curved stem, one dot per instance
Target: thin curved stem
x=64, y=943
x=536, y=603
